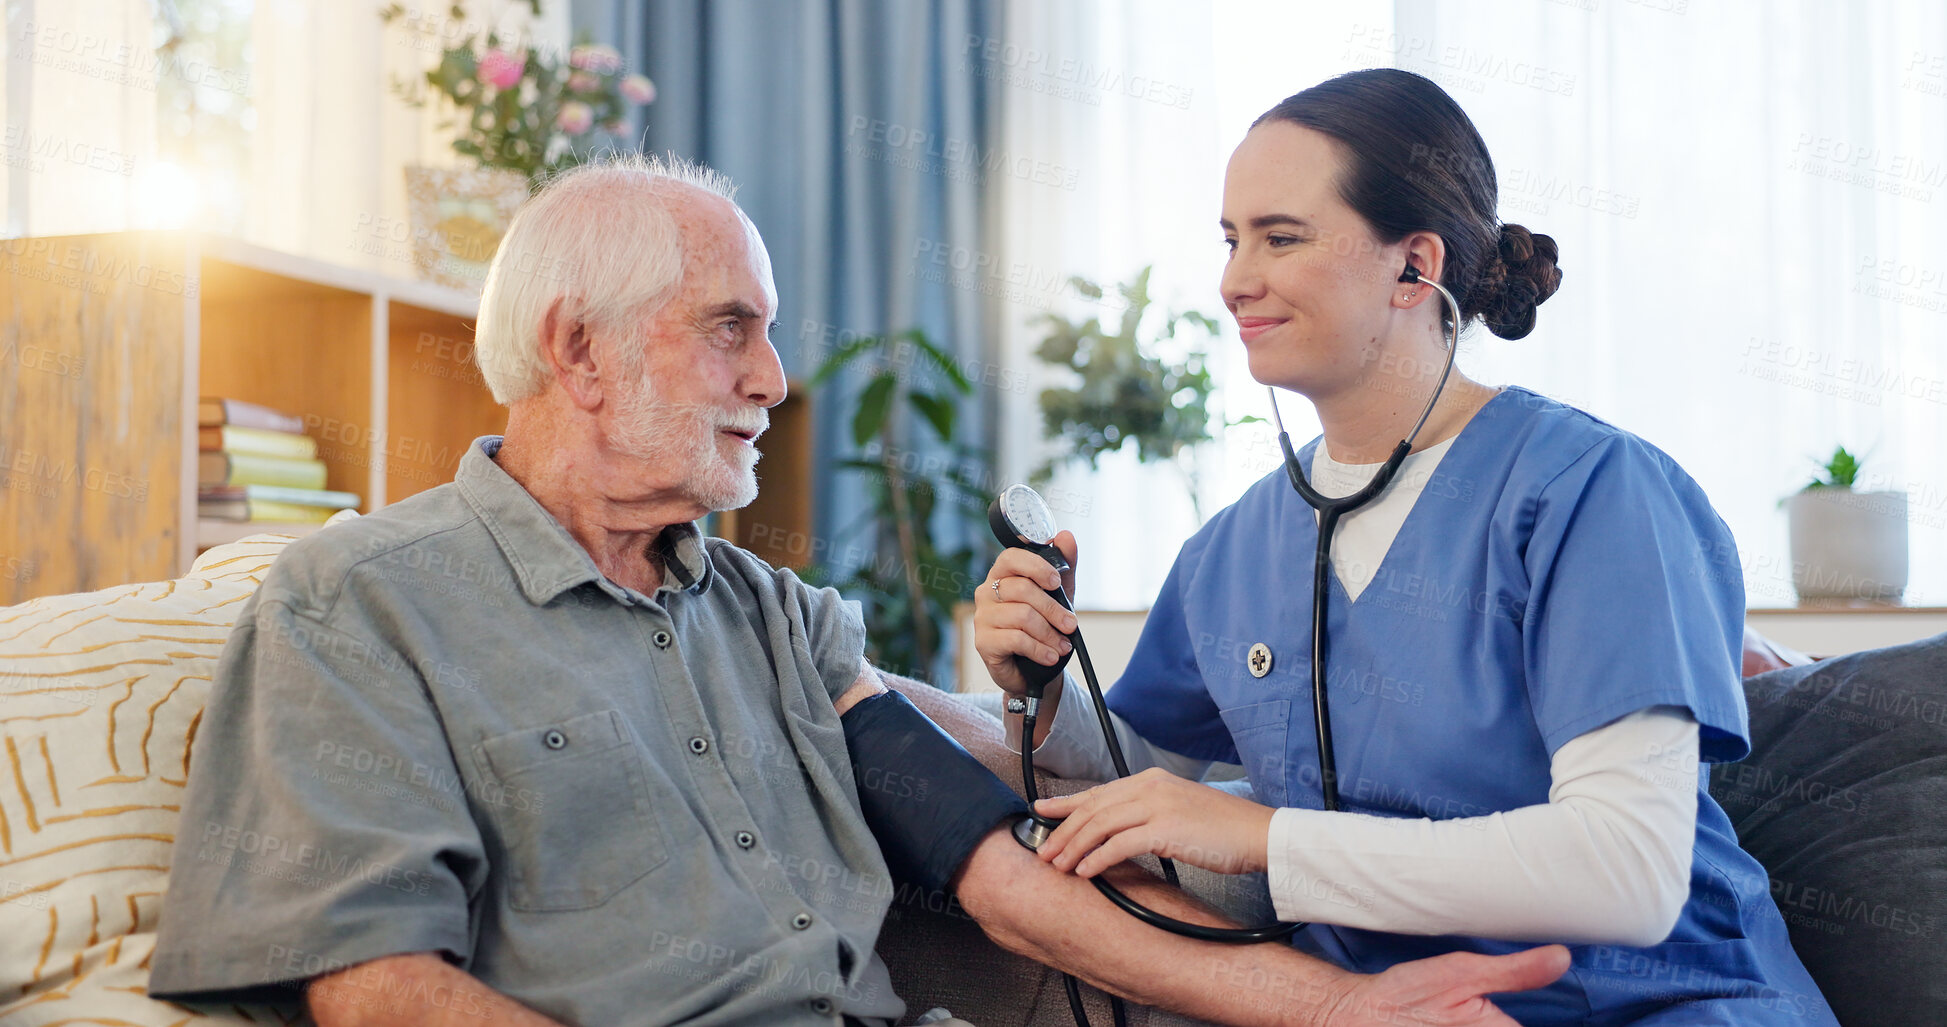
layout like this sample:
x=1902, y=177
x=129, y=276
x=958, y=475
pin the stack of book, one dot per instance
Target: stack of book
x=256, y=464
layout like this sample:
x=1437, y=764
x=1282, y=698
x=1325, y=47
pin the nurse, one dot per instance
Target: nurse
x=1534, y=630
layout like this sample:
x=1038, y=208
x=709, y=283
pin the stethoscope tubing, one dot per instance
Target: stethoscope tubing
x=1330, y=509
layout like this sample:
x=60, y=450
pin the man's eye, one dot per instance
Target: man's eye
x=1230, y=243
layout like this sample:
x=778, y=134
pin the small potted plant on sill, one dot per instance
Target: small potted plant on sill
x=1845, y=543
x=522, y=112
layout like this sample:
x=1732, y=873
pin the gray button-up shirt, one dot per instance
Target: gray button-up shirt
x=440, y=728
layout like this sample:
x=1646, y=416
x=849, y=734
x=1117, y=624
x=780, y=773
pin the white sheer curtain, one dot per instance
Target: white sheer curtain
x=80, y=117
x=1748, y=197
x=326, y=140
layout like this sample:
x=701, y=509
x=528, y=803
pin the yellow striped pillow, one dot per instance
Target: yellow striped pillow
x=100, y=698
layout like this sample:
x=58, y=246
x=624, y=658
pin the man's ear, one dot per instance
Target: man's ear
x=569, y=349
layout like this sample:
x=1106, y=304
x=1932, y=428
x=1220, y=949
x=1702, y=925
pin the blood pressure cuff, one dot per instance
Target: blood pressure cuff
x=926, y=799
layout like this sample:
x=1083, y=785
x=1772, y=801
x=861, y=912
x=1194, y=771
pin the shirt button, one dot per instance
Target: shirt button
x=662, y=639
x=745, y=839
x=555, y=740
x=801, y=921
x=821, y=1006
x=699, y=745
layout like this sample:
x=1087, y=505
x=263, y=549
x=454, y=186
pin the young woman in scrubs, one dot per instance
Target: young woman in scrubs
x=1534, y=631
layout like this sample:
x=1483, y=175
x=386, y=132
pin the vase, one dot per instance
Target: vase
x=458, y=216
x=1848, y=545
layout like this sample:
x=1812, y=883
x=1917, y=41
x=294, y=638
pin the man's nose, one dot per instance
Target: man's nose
x=763, y=378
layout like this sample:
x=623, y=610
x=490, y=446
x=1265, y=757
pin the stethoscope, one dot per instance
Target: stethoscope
x=1021, y=519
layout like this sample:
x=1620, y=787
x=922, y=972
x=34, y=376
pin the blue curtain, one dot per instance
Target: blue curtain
x=856, y=130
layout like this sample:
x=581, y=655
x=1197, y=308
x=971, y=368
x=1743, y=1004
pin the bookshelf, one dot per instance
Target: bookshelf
x=112, y=338
x=108, y=341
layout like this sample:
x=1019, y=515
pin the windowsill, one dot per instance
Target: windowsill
x=1845, y=606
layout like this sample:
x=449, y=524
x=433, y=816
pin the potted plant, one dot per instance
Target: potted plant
x=910, y=578
x=522, y=112
x=1845, y=543
x=1125, y=393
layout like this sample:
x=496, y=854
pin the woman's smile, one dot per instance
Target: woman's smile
x=1249, y=328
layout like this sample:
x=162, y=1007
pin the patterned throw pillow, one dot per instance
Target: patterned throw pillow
x=100, y=698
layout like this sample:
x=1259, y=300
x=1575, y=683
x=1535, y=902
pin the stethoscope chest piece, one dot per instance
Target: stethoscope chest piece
x=1258, y=660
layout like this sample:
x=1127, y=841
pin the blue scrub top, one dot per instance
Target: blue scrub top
x=1557, y=573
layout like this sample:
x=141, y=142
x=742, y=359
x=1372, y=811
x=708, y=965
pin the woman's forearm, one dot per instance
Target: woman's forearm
x=1606, y=861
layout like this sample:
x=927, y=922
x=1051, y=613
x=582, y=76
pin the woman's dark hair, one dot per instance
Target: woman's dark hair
x=1414, y=163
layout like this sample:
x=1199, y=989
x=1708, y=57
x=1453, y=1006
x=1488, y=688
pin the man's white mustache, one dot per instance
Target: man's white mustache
x=754, y=426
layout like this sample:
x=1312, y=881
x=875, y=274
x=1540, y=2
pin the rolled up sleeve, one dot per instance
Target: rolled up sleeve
x=325, y=822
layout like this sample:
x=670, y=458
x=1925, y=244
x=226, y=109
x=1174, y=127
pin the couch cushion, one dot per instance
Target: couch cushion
x=1842, y=800
x=100, y=695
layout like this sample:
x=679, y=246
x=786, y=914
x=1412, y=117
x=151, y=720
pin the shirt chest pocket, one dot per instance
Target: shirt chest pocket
x=1259, y=732
x=570, y=803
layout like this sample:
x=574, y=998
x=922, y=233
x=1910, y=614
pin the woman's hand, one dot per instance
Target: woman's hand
x=1020, y=618
x=1156, y=811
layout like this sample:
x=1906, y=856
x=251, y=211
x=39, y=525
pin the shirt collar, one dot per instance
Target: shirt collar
x=546, y=559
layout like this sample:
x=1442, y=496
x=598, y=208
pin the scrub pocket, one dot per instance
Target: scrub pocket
x=1258, y=731
x=571, y=805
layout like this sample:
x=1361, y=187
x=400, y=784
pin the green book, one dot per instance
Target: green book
x=244, y=469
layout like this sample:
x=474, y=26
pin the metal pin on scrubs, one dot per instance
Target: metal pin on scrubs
x=1259, y=660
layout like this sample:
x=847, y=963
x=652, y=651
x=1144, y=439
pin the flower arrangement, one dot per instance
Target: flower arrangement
x=522, y=108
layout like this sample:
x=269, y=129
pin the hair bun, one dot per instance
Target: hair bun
x=1516, y=281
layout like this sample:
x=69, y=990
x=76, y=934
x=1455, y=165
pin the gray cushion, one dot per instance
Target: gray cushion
x=1844, y=801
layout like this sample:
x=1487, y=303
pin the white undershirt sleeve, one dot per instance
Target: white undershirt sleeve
x=1074, y=747
x=1605, y=861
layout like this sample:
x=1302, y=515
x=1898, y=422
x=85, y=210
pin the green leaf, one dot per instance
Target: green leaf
x=875, y=403
x=938, y=411
x=938, y=358
x=845, y=355
x=1841, y=471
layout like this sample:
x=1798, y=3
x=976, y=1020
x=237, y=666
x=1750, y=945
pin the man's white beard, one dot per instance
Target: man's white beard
x=688, y=436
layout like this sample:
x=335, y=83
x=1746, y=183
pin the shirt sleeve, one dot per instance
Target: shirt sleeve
x=324, y=823
x=1605, y=861
x=1636, y=599
x=834, y=630
x=1161, y=692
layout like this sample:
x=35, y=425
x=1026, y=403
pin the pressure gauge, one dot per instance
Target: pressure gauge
x=1020, y=517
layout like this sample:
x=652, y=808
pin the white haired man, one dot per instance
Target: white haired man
x=629, y=802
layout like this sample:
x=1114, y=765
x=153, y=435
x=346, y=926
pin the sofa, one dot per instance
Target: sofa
x=101, y=695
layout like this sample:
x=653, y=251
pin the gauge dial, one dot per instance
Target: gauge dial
x=1027, y=514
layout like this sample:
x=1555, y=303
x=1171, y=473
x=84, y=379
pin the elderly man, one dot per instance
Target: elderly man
x=528, y=747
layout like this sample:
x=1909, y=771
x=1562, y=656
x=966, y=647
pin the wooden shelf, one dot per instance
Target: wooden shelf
x=113, y=338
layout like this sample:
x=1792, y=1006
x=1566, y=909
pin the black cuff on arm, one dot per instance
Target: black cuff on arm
x=926, y=799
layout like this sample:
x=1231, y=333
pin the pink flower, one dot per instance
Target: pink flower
x=575, y=117
x=616, y=128
x=595, y=57
x=502, y=70
x=584, y=81
x=638, y=89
